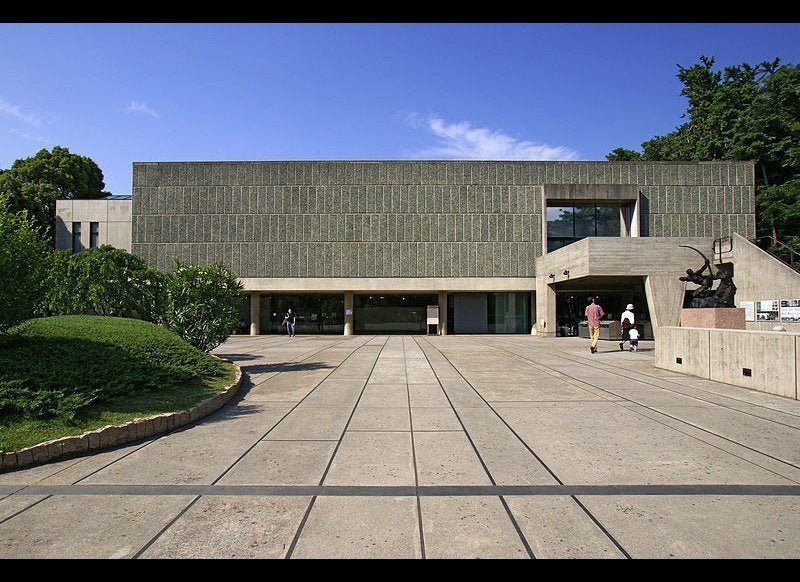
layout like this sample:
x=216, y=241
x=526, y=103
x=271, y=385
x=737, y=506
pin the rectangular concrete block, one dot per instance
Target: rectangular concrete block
x=54, y=450
x=24, y=457
x=8, y=460
x=764, y=361
x=69, y=445
x=684, y=350
x=714, y=318
x=40, y=453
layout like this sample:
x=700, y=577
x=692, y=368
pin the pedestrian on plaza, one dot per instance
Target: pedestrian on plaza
x=593, y=313
x=627, y=321
x=289, y=319
x=633, y=334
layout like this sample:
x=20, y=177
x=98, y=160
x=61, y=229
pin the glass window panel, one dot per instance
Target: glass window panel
x=559, y=221
x=608, y=223
x=584, y=221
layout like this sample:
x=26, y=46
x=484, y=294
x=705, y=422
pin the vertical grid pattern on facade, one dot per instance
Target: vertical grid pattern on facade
x=403, y=219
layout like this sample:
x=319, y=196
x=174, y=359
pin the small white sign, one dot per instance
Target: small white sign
x=749, y=310
x=433, y=315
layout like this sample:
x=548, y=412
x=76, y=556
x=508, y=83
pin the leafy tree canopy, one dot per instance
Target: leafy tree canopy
x=742, y=112
x=35, y=183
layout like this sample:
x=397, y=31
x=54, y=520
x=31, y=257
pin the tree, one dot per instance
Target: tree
x=743, y=112
x=105, y=281
x=35, y=183
x=23, y=264
x=203, y=304
x=623, y=155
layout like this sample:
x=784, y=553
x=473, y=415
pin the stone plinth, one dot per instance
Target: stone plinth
x=713, y=317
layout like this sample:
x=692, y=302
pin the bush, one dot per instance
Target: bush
x=23, y=266
x=202, y=304
x=105, y=281
x=56, y=366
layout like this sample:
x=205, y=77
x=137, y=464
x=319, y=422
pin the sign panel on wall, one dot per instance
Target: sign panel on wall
x=767, y=310
x=790, y=310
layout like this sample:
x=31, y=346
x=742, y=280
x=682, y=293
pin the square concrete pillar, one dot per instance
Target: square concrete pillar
x=348, y=313
x=255, y=312
x=442, y=313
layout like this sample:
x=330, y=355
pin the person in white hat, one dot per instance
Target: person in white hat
x=627, y=320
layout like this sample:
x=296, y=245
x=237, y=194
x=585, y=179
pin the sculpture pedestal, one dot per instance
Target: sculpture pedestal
x=713, y=317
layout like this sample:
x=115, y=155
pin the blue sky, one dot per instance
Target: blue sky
x=125, y=92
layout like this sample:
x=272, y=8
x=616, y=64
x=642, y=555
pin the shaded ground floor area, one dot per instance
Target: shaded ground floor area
x=489, y=312
x=389, y=312
x=416, y=446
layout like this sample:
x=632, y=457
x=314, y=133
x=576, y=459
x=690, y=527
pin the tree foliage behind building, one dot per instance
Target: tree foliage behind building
x=742, y=112
x=35, y=183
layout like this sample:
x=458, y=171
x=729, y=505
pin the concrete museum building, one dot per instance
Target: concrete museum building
x=498, y=246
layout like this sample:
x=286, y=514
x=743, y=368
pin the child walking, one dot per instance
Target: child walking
x=633, y=336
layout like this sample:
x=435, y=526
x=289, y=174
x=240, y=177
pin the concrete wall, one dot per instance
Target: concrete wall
x=659, y=260
x=760, y=276
x=773, y=358
x=113, y=216
x=405, y=219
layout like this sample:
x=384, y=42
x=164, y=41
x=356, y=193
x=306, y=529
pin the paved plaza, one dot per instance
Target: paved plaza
x=482, y=446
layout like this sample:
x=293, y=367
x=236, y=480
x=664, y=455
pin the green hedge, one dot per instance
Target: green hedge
x=56, y=366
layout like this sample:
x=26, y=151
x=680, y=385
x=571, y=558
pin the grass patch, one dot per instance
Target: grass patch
x=62, y=376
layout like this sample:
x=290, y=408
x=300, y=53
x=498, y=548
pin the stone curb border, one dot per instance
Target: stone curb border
x=113, y=435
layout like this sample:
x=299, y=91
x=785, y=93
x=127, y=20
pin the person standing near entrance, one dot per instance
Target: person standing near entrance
x=593, y=313
x=627, y=321
x=289, y=319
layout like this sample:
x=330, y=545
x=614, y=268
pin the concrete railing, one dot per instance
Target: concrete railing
x=766, y=361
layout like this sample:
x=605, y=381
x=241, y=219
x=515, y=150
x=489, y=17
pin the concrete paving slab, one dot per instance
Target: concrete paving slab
x=197, y=454
x=555, y=526
x=67, y=471
x=332, y=395
x=508, y=460
x=221, y=526
x=311, y=423
x=427, y=395
x=583, y=443
x=282, y=463
x=771, y=438
x=461, y=394
x=468, y=527
x=539, y=389
x=88, y=526
x=420, y=373
x=11, y=504
x=447, y=458
x=285, y=387
x=361, y=527
x=780, y=411
x=373, y=458
x=770, y=464
x=695, y=526
x=389, y=377
x=428, y=418
x=384, y=396
x=380, y=419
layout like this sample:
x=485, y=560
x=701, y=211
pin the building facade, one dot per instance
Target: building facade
x=496, y=247
x=87, y=224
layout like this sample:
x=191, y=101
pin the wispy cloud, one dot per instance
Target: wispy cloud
x=463, y=141
x=30, y=136
x=15, y=111
x=140, y=107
